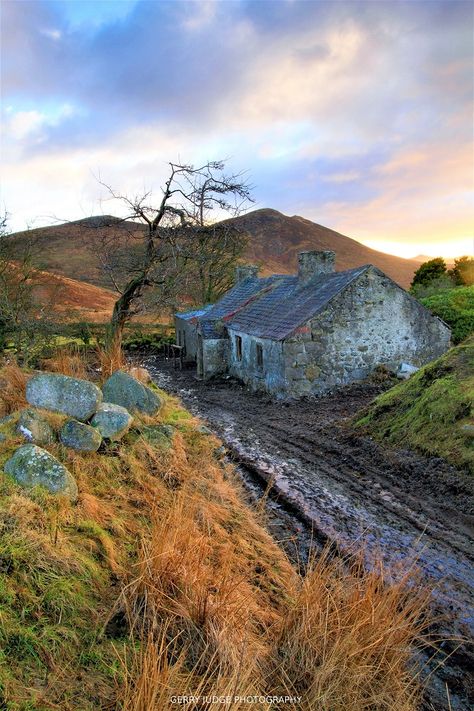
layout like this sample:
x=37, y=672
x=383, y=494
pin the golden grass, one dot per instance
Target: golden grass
x=69, y=360
x=110, y=358
x=163, y=539
x=12, y=388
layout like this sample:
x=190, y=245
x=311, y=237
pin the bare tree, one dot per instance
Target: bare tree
x=169, y=242
x=216, y=251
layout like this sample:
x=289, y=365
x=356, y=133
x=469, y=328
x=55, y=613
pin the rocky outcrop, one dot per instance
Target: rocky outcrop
x=111, y=421
x=61, y=393
x=32, y=466
x=34, y=428
x=122, y=389
x=79, y=436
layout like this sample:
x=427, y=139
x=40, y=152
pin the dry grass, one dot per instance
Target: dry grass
x=69, y=360
x=12, y=388
x=220, y=611
x=110, y=359
x=162, y=539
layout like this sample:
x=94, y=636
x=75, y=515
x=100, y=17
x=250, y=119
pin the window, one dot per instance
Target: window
x=259, y=356
x=238, y=347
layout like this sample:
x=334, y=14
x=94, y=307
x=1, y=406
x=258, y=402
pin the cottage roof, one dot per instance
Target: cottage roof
x=196, y=313
x=286, y=303
x=236, y=298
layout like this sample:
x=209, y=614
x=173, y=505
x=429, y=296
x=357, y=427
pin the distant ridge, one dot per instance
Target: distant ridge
x=274, y=240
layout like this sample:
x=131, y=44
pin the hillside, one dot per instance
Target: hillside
x=154, y=579
x=71, y=298
x=433, y=411
x=275, y=239
x=71, y=249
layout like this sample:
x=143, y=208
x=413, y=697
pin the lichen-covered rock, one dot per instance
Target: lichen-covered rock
x=34, y=428
x=406, y=370
x=122, y=389
x=60, y=393
x=158, y=435
x=79, y=436
x=112, y=421
x=32, y=466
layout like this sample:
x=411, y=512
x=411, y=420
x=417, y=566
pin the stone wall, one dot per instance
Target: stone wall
x=270, y=375
x=215, y=355
x=372, y=322
x=186, y=335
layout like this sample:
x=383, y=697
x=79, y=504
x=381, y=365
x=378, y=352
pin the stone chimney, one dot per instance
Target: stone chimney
x=312, y=264
x=244, y=271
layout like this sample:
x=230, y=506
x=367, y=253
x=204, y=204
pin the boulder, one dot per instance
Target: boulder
x=79, y=436
x=60, y=393
x=406, y=370
x=158, y=435
x=34, y=428
x=32, y=466
x=111, y=421
x=122, y=389
x=467, y=429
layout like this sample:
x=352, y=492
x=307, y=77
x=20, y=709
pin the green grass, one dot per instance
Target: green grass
x=427, y=411
x=456, y=307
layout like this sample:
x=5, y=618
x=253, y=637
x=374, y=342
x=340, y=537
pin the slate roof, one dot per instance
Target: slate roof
x=236, y=298
x=275, y=306
x=197, y=313
x=277, y=312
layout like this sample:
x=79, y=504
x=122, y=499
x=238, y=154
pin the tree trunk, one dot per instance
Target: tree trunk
x=121, y=312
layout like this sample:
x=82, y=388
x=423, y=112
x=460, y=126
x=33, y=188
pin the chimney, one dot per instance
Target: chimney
x=312, y=264
x=245, y=271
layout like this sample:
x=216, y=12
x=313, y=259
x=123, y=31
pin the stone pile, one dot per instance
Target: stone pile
x=94, y=415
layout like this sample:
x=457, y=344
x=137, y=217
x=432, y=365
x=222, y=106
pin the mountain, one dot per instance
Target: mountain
x=274, y=240
x=72, y=249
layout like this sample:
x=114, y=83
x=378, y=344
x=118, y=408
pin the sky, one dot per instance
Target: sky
x=357, y=115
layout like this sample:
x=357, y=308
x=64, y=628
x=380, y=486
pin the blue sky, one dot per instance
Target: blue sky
x=357, y=115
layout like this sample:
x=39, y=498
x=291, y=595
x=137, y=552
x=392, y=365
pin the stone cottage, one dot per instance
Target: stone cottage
x=303, y=334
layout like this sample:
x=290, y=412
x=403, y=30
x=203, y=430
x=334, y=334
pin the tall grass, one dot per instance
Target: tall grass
x=12, y=388
x=219, y=611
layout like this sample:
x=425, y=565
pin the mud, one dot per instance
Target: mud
x=330, y=483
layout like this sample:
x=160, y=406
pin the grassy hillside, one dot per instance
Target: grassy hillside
x=274, y=241
x=162, y=581
x=456, y=307
x=433, y=411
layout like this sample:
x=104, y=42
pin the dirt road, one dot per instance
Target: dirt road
x=351, y=491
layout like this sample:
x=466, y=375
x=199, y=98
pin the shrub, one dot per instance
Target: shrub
x=456, y=308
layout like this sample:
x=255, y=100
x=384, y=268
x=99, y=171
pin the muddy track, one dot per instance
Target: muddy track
x=351, y=491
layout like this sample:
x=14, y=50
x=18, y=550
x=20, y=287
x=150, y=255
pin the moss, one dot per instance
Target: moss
x=427, y=411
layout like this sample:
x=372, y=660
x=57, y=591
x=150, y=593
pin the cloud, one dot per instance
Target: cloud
x=343, y=111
